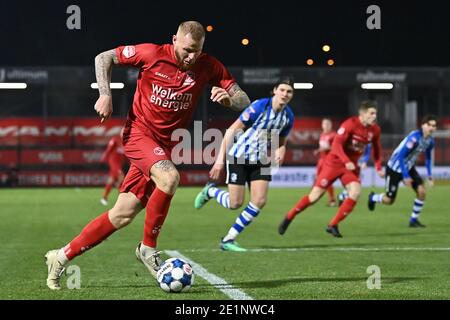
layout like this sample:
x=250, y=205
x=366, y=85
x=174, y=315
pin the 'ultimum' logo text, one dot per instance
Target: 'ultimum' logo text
x=169, y=98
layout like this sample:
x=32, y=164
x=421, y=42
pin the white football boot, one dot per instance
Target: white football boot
x=55, y=269
x=152, y=261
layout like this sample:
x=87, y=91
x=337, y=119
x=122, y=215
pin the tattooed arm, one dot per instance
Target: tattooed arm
x=239, y=99
x=235, y=98
x=103, y=69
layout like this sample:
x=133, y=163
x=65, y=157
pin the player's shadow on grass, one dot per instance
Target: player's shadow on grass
x=282, y=282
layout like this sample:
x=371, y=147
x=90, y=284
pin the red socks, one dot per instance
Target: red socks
x=155, y=214
x=300, y=206
x=344, y=210
x=101, y=227
x=95, y=232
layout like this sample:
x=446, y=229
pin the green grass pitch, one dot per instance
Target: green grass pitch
x=305, y=263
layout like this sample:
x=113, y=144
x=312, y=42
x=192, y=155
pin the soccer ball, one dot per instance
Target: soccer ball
x=175, y=275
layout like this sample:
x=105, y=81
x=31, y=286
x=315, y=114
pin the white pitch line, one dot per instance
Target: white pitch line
x=216, y=281
x=330, y=249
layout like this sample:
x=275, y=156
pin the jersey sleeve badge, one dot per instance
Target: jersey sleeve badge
x=129, y=51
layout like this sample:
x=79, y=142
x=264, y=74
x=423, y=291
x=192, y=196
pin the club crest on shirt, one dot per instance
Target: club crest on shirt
x=341, y=130
x=159, y=151
x=129, y=51
x=190, y=78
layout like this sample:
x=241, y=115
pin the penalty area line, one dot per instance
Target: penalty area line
x=216, y=281
x=336, y=249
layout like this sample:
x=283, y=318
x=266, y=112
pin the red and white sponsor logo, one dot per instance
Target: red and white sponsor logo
x=170, y=98
x=46, y=157
x=66, y=157
x=156, y=230
x=194, y=177
x=190, y=78
x=324, y=182
x=62, y=178
x=129, y=51
x=159, y=151
x=187, y=269
x=162, y=75
x=57, y=131
x=91, y=156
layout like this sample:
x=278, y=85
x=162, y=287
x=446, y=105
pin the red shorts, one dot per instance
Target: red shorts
x=138, y=184
x=143, y=152
x=328, y=174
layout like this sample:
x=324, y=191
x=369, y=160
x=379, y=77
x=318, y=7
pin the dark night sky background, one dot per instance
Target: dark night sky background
x=282, y=33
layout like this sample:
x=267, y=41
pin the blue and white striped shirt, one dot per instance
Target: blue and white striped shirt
x=261, y=123
x=407, y=152
x=366, y=155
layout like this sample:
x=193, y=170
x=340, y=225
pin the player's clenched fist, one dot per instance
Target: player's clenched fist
x=221, y=96
x=216, y=171
x=104, y=107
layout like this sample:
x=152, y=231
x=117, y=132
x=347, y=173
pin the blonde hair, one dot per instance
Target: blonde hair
x=194, y=28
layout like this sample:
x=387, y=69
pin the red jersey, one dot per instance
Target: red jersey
x=325, y=141
x=166, y=96
x=351, y=140
x=114, y=152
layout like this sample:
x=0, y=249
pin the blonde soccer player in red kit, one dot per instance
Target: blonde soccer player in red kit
x=172, y=77
x=341, y=163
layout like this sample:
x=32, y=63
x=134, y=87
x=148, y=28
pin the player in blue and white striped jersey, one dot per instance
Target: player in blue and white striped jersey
x=401, y=166
x=260, y=126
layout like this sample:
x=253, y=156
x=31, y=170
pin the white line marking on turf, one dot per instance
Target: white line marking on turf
x=329, y=249
x=216, y=281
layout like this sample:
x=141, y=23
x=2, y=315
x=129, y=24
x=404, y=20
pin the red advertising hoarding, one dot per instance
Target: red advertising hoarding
x=57, y=131
x=69, y=157
x=8, y=157
x=55, y=178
